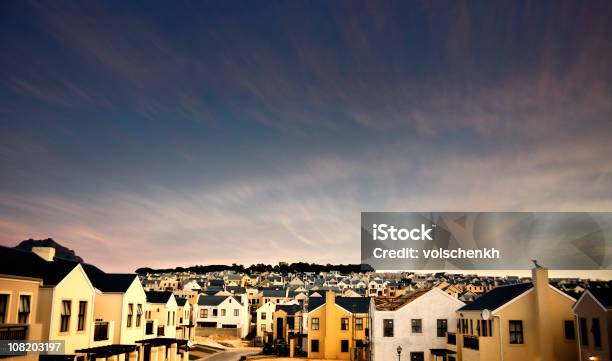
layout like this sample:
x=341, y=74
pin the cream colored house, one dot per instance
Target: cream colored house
x=120, y=299
x=524, y=321
x=162, y=307
x=265, y=321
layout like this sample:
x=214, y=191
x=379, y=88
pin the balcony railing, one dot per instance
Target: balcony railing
x=451, y=338
x=13, y=333
x=149, y=328
x=101, y=331
x=470, y=342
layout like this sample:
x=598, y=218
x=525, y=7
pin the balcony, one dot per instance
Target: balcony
x=101, y=331
x=451, y=338
x=471, y=342
x=18, y=333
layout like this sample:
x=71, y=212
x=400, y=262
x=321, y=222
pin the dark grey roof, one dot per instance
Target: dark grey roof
x=27, y=264
x=357, y=304
x=289, y=309
x=181, y=301
x=109, y=282
x=158, y=296
x=237, y=290
x=273, y=293
x=497, y=297
x=211, y=300
x=603, y=295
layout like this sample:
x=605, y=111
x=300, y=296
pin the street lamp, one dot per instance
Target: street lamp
x=399, y=352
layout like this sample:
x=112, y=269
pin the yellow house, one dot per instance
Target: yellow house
x=338, y=327
x=525, y=321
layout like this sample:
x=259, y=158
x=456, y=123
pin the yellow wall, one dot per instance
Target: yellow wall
x=15, y=287
x=330, y=334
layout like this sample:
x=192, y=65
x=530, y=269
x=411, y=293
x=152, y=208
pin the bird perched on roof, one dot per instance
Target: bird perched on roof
x=535, y=262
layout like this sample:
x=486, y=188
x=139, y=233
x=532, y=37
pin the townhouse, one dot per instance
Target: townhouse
x=265, y=322
x=222, y=312
x=593, y=314
x=338, y=327
x=287, y=320
x=161, y=313
x=185, y=326
x=525, y=321
x=418, y=322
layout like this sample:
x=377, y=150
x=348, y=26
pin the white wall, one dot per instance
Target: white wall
x=429, y=307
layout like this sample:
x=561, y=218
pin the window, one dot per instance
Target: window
x=387, y=328
x=516, y=332
x=3, y=306
x=570, y=333
x=344, y=324
x=596, y=330
x=486, y=328
x=584, y=336
x=344, y=346
x=314, y=344
x=65, y=316
x=442, y=327
x=417, y=356
x=314, y=325
x=130, y=314
x=417, y=325
x=24, y=309
x=138, y=314
x=173, y=318
x=263, y=315
x=215, y=312
x=263, y=327
x=236, y=312
x=359, y=324
x=223, y=312
x=81, y=316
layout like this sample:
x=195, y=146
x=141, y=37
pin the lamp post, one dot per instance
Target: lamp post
x=399, y=352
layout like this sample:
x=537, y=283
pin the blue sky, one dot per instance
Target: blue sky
x=204, y=132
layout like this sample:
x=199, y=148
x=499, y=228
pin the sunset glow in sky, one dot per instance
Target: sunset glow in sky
x=208, y=132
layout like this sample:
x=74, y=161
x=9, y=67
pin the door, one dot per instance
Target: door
x=280, y=330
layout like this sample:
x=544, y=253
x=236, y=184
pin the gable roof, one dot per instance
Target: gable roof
x=211, y=300
x=109, y=282
x=289, y=309
x=602, y=295
x=158, y=296
x=497, y=297
x=358, y=304
x=28, y=264
x=180, y=301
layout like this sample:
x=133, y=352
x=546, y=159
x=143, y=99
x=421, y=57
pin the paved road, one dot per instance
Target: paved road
x=232, y=355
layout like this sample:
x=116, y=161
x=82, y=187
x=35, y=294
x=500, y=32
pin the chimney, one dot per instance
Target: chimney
x=330, y=297
x=539, y=277
x=46, y=253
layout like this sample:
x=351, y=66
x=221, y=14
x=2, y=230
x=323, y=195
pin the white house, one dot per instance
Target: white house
x=264, y=318
x=418, y=322
x=223, y=312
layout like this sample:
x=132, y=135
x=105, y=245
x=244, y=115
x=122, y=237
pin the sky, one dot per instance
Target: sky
x=179, y=133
